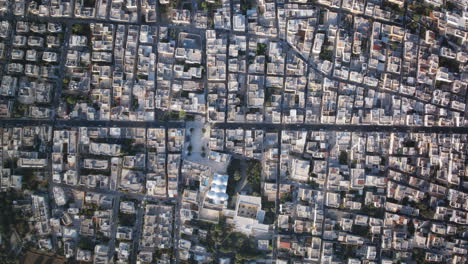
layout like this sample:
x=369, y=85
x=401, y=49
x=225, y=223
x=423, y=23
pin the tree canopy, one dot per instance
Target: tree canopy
x=223, y=240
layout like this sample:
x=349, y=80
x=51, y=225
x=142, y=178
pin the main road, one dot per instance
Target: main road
x=90, y=123
x=235, y=125
x=344, y=127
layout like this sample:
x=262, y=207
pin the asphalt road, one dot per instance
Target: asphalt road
x=351, y=128
x=259, y=126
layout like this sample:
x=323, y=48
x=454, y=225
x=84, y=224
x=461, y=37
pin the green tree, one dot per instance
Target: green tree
x=233, y=166
x=286, y=197
x=237, y=175
x=77, y=29
x=71, y=100
x=86, y=243
x=411, y=227
x=222, y=239
x=343, y=158
x=326, y=54
x=261, y=49
x=254, y=174
x=182, y=114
